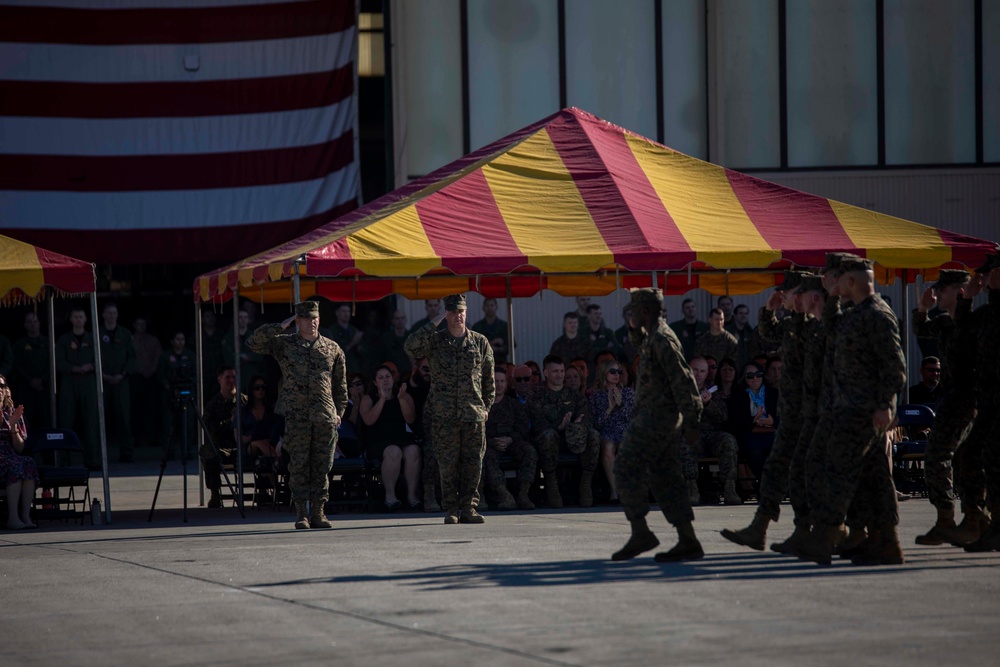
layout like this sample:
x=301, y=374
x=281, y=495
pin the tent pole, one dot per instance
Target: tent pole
x=296, y=287
x=199, y=393
x=99, y=379
x=53, y=415
x=905, y=333
x=236, y=364
x=510, y=325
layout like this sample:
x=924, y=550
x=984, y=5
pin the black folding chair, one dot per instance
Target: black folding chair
x=58, y=454
x=908, y=454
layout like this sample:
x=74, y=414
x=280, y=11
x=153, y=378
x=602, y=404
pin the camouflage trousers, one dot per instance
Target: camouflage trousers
x=310, y=448
x=649, y=460
x=841, y=462
x=459, y=448
x=774, y=477
x=977, y=462
x=951, y=428
x=718, y=444
x=523, y=454
x=798, y=493
x=550, y=441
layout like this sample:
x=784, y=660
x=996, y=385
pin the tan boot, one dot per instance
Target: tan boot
x=729, y=495
x=990, y=538
x=856, y=536
x=793, y=543
x=301, y=515
x=887, y=552
x=687, y=548
x=753, y=536
x=317, y=518
x=507, y=501
x=552, y=490
x=522, y=498
x=586, y=491
x=642, y=539
x=945, y=519
x=470, y=515
x=819, y=545
x=694, y=494
x=973, y=525
x=430, y=498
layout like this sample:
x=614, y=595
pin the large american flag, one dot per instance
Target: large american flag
x=175, y=130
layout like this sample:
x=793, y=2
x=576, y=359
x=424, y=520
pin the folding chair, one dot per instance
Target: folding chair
x=908, y=454
x=58, y=454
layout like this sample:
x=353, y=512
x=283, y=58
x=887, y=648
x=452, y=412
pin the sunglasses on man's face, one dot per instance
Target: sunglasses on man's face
x=522, y=378
x=758, y=375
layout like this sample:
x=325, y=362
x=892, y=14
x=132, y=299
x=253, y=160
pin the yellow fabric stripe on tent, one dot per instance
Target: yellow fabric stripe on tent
x=394, y=246
x=892, y=242
x=699, y=198
x=24, y=272
x=543, y=208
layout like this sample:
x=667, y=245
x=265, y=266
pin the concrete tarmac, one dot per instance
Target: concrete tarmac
x=526, y=588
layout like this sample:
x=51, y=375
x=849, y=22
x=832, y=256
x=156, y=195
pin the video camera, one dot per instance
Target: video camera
x=182, y=383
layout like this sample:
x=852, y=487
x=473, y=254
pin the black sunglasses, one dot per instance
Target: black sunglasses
x=522, y=378
x=758, y=374
x=615, y=371
x=258, y=387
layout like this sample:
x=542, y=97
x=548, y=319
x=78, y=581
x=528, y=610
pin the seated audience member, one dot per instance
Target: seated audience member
x=715, y=441
x=753, y=414
x=560, y=421
x=419, y=385
x=386, y=412
x=348, y=433
x=219, y=413
x=19, y=472
x=725, y=378
x=713, y=369
x=536, y=371
x=772, y=371
x=507, y=433
x=256, y=420
x=523, y=386
x=574, y=379
x=611, y=408
x=717, y=342
x=572, y=344
x=927, y=391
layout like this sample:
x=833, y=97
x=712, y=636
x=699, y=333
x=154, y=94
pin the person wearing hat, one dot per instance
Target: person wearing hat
x=667, y=405
x=955, y=409
x=868, y=371
x=313, y=399
x=983, y=444
x=462, y=391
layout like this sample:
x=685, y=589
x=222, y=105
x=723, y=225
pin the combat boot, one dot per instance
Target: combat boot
x=451, y=517
x=793, y=543
x=507, y=501
x=430, y=499
x=990, y=539
x=642, y=539
x=216, y=500
x=933, y=537
x=819, y=545
x=301, y=515
x=523, y=499
x=687, y=548
x=973, y=525
x=694, y=494
x=586, y=491
x=868, y=548
x=752, y=536
x=552, y=490
x=317, y=518
x=856, y=535
x=888, y=551
x=470, y=515
x=729, y=495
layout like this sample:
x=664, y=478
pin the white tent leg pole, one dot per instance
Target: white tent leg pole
x=99, y=379
x=53, y=408
x=239, y=422
x=199, y=392
x=510, y=326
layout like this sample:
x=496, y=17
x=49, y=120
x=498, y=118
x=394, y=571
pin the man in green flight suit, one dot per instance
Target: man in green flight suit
x=77, y=390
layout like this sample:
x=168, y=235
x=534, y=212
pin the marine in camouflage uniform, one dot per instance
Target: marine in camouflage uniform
x=667, y=402
x=313, y=399
x=955, y=409
x=462, y=390
x=508, y=419
x=717, y=346
x=547, y=410
x=868, y=372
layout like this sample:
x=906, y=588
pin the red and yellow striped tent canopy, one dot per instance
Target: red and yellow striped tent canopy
x=26, y=270
x=578, y=205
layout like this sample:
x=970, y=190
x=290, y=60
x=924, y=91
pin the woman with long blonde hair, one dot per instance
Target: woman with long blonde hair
x=18, y=471
x=611, y=407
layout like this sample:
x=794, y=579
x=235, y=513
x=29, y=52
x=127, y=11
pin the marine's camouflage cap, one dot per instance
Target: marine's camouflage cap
x=811, y=284
x=992, y=262
x=576, y=438
x=855, y=263
x=307, y=309
x=647, y=295
x=833, y=260
x=454, y=302
x=951, y=277
x=792, y=280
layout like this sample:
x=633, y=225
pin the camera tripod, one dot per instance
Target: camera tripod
x=186, y=401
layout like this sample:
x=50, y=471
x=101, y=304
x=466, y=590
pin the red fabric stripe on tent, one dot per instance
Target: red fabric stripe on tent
x=65, y=273
x=175, y=172
x=182, y=25
x=622, y=202
x=802, y=226
x=966, y=249
x=169, y=98
x=196, y=244
x=490, y=230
